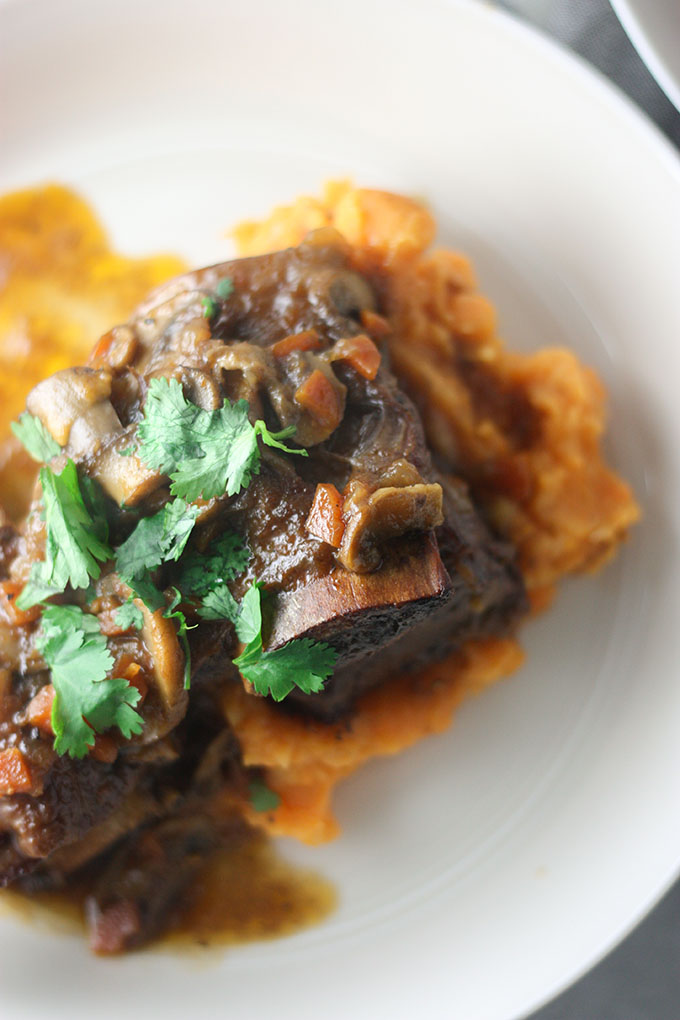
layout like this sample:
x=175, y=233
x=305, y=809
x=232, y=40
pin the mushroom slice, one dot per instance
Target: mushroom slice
x=65, y=396
x=371, y=518
x=126, y=478
x=160, y=637
x=92, y=429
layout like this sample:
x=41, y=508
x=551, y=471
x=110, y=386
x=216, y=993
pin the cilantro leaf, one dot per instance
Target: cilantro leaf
x=144, y=588
x=31, y=432
x=156, y=539
x=301, y=663
x=96, y=505
x=72, y=545
x=249, y=622
x=205, y=453
x=129, y=615
x=262, y=797
x=225, y=559
x=36, y=588
x=219, y=604
x=225, y=288
x=86, y=700
x=209, y=307
x=172, y=613
x=273, y=438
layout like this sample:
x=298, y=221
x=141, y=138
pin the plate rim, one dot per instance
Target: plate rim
x=618, y=100
x=657, y=65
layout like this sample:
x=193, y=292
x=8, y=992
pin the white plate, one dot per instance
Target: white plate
x=485, y=869
x=654, y=30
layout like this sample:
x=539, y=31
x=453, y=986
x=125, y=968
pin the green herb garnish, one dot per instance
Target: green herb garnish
x=31, y=432
x=86, y=700
x=262, y=797
x=156, y=540
x=225, y=559
x=172, y=613
x=219, y=604
x=301, y=663
x=129, y=615
x=225, y=288
x=205, y=453
x=73, y=542
x=209, y=307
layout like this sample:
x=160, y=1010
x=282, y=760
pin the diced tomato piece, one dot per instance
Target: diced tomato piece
x=307, y=340
x=375, y=324
x=15, y=774
x=9, y=591
x=325, y=517
x=39, y=710
x=361, y=353
x=319, y=397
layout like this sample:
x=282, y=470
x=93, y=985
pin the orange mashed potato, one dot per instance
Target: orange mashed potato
x=525, y=431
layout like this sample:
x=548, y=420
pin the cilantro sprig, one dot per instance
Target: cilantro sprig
x=86, y=699
x=129, y=615
x=301, y=663
x=156, y=540
x=205, y=575
x=205, y=453
x=31, y=432
x=75, y=544
x=262, y=797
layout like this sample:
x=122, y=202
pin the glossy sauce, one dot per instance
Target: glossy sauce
x=245, y=893
x=61, y=288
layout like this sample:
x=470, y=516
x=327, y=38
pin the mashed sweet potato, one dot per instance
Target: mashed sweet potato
x=524, y=430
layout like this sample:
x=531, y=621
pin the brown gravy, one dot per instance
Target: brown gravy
x=245, y=893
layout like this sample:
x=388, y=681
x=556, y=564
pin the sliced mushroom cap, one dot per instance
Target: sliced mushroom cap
x=126, y=478
x=200, y=388
x=65, y=396
x=160, y=637
x=372, y=518
x=92, y=429
x=245, y=370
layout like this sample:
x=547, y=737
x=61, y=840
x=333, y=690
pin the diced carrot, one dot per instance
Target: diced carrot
x=325, y=517
x=9, y=590
x=135, y=677
x=307, y=340
x=318, y=396
x=104, y=748
x=361, y=353
x=15, y=774
x=377, y=325
x=102, y=347
x=39, y=710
